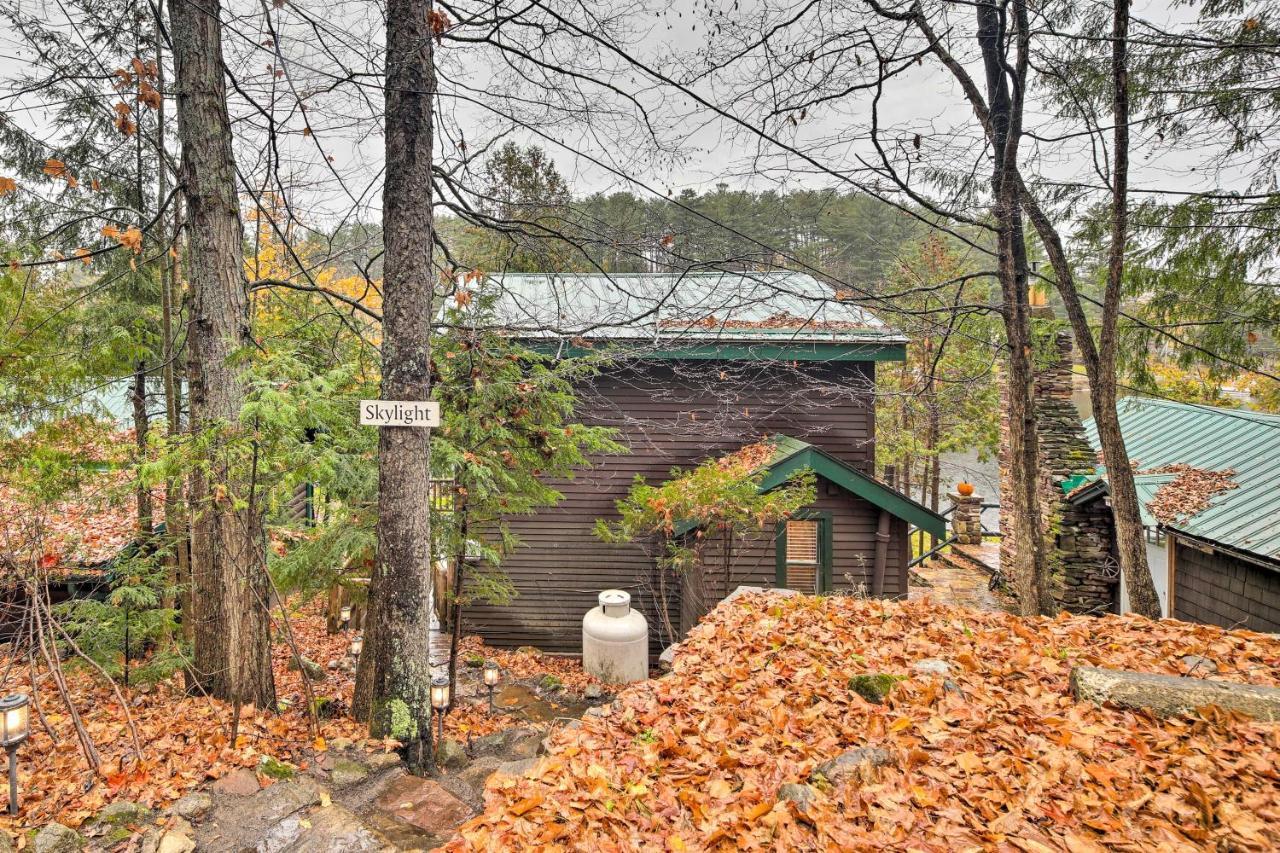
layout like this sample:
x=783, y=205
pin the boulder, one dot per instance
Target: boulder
x=874, y=686
x=1169, y=695
x=801, y=795
x=124, y=813
x=1198, y=665
x=479, y=771
x=241, y=782
x=346, y=772
x=932, y=666
x=340, y=743
x=423, y=803
x=593, y=692
x=523, y=743
x=381, y=760
x=853, y=765
x=668, y=657
x=313, y=670
x=333, y=829
x=450, y=754
x=193, y=806
x=492, y=744
x=56, y=838
x=175, y=842
x=517, y=768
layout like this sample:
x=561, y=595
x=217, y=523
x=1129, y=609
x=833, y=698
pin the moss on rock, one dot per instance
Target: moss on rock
x=873, y=686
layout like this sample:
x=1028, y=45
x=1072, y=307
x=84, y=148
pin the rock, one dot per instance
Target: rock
x=524, y=743
x=6, y=843
x=314, y=671
x=123, y=813
x=489, y=744
x=193, y=806
x=347, y=772
x=479, y=771
x=517, y=768
x=1198, y=665
x=932, y=666
x=241, y=782
x=273, y=768
x=801, y=795
x=667, y=659
x=332, y=664
x=1168, y=695
x=333, y=829
x=450, y=754
x=175, y=842
x=873, y=687
x=340, y=743
x=56, y=838
x=529, y=650
x=381, y=760
x=853, y=765
x=593, y=692
x=474, y=660
x=423, y=803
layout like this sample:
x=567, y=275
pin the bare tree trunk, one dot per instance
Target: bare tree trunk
x=231, y=588
x=396, y=659
x=1100, y=358
x=1031, y=574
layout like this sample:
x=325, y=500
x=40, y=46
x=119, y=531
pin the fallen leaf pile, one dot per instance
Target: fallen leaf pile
x=1000, y=757
x=1189, y=492
x=186, y=738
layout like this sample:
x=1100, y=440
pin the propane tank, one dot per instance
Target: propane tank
x=615, y=640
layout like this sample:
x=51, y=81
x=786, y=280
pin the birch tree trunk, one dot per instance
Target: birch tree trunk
x=231, y=589
x=393, y=689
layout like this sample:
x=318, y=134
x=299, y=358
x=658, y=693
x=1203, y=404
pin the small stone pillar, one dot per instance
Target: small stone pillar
x=966, y=519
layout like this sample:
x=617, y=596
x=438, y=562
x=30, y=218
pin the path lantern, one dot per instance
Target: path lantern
x=492, y=675
x=15, y=726
x=344, y=616
x=440, y=700
x=357, y=645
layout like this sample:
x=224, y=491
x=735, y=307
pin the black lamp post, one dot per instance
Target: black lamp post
x=440, y=701
x=492, y=675
x=15, y=725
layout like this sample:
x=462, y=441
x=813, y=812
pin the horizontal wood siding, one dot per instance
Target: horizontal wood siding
x=670, y=415
x=1218, y=589
x=853, y=544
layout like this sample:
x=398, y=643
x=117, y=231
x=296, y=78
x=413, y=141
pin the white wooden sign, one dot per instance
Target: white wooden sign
x=399, y=413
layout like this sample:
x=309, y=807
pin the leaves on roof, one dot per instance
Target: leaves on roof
x=1189, y=492
x=780, y=320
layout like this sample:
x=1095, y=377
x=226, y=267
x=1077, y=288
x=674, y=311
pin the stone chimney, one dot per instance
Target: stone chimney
x=1078, y=539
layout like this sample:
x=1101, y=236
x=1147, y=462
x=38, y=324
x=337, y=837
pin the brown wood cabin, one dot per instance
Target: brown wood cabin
x=719, y=360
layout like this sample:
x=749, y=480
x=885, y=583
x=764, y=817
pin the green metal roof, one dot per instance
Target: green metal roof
x=1159, y=433
x=793, y=455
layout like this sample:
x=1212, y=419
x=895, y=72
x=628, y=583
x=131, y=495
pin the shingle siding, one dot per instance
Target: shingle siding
x=1219, y=589
x=676, y=414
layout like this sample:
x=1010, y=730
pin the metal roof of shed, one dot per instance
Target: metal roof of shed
x=756, y=307
x=1159, y=433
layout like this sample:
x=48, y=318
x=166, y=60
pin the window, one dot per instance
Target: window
x=804, y=549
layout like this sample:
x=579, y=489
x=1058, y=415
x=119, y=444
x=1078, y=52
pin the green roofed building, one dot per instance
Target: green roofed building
x=1209, y=483
x=693, y=367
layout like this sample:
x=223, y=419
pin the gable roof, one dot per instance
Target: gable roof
x=791, y=455
x=694, y=315
x=1158, y=433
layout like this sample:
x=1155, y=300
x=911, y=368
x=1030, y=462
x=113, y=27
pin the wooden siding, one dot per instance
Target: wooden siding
x=753, y=559
x=671, y=415
x=1219, y=589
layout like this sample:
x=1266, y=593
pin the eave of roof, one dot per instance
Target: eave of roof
x=793, y=456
